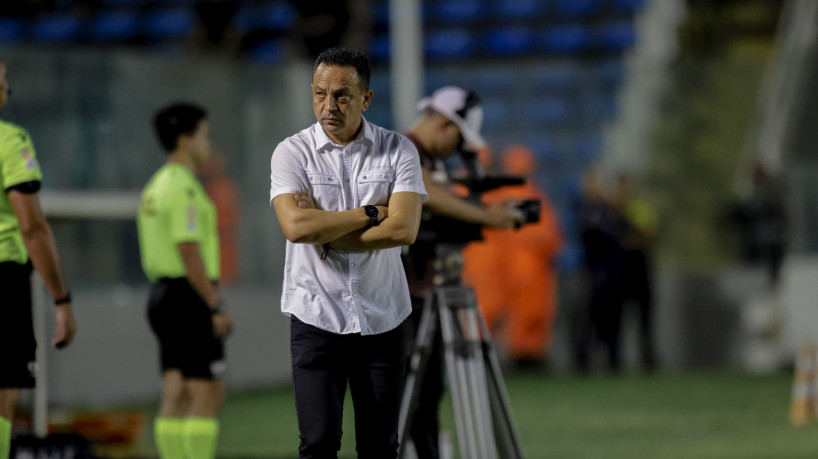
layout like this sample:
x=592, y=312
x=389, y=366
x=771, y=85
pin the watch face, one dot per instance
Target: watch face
x=371, y=211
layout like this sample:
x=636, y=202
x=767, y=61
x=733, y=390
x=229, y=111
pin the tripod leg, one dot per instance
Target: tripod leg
x=512, y=447
x=417, y=368
x=479, y=383
x=456, y=370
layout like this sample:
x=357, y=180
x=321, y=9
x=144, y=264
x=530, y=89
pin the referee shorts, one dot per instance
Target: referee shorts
x=18, y=365
x=182, y=323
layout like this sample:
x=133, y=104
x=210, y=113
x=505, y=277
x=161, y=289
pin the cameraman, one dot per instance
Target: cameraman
x=451, y=117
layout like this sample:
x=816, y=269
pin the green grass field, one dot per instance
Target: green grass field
x=701, y=415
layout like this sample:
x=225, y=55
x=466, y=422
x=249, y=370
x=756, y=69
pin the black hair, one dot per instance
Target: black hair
x=343, y=56
x=176, y=120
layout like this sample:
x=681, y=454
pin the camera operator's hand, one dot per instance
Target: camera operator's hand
x=503, y=215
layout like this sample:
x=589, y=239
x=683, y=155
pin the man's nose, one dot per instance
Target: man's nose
x=330, y=104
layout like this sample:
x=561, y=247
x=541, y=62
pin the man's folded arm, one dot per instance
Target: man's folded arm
x=315, y=226
x=400, y=227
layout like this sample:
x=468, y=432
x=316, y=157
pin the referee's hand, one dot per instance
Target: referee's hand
x=66, y=327
x=222, y=325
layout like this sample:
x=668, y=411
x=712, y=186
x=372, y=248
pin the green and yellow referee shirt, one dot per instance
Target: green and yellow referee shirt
x=175, y=208
x=18, y=164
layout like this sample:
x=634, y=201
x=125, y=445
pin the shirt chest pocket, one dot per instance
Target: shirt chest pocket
x=326, y=191
x=375, y=186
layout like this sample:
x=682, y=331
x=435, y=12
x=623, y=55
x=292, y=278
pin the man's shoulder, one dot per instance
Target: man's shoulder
x=392, y=140
x=12, y=132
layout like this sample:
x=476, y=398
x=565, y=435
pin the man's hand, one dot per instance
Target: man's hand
x=222, y=325
x=504, y=215
x=66, y=327
x=303, y=199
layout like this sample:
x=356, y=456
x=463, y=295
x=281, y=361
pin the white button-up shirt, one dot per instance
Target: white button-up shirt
x=349, y=291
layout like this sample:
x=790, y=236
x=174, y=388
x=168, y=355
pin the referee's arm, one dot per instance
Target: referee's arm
x=197, y=277
x=42, y=251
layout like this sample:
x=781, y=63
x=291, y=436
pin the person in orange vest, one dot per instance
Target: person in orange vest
x=525, y=261
x=224, y=193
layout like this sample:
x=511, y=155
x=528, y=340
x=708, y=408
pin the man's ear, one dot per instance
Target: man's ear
x=368, y=94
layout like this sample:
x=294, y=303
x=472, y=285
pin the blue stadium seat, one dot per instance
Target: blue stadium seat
x=11, y=29
x=268, y=52
x=586, y=149
x=380, y=48
x=519, y=9
x=566, y=39
x=495, y=115
x=609, y=74
x=491, y=80
x=169, y=24
x=556, y=77
x=434, y=79
x=114, y=26
x=618, y=36
x=628, y=6
x=278, y=16
x=458, y=11
x=548, y=110
x=542, y=146
x=599, y=108
x=573, y=8
x=450, y=44
x=57, y=28
x=108, y=4
x=510, y=41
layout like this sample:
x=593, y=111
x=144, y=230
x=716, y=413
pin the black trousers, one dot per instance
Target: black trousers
x=323, y=364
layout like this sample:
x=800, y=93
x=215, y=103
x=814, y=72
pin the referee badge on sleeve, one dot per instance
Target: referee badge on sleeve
x=31, y=163
x=191, y=218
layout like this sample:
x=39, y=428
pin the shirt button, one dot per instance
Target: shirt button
x=364, y=177
x=385, y=176
x=352, y=264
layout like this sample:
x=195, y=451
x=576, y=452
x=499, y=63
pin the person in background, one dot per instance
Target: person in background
x=224, y=193
x=179, y=247
x=525, y=259
x=450, y=118
x=26, y=243
x=637, y=273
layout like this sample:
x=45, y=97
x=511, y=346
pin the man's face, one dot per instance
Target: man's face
x=448, y=139
x=338, y=101
x=4, y=85
x=199, y=144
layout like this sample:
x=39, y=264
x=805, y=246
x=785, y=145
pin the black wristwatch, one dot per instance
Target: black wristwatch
x=372, y=213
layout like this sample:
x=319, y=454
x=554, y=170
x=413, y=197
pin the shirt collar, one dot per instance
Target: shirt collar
x=322, y=140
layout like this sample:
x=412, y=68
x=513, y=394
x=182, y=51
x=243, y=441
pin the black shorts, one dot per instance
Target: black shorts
x=17, y=359
x=182, y=323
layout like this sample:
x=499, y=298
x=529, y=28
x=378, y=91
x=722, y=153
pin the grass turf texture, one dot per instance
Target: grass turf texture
x=699, y=415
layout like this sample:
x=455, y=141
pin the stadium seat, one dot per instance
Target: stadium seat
x=628, y=6
x=609, y=74
x=618, y=36
x=380, y=48
x=268, y=52
x=586, y=149
x=599, y=108
x=455, y=11
x=542, y=146
x=434, y=79
x=278, y=16
x=57, y=28
x=495, y=115
x=574, y=8
x=11, y=29
x=510, y=41
x=565, y=39
x=450, y=44
x=556, y=77
x=114, y=27
x=519, y=10
x=492, y=80
x=548, y=110
x=169, y=24
x=109, y=4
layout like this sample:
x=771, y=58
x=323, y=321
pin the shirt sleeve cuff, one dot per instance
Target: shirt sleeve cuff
x=412, y=189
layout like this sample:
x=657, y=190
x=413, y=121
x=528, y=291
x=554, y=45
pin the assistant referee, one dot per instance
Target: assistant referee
x=179, y=246
x=26, y=242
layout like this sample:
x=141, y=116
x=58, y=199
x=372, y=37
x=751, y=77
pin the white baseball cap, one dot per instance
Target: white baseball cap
x=462, y=107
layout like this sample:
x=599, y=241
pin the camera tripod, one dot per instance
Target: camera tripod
x=483, y=417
